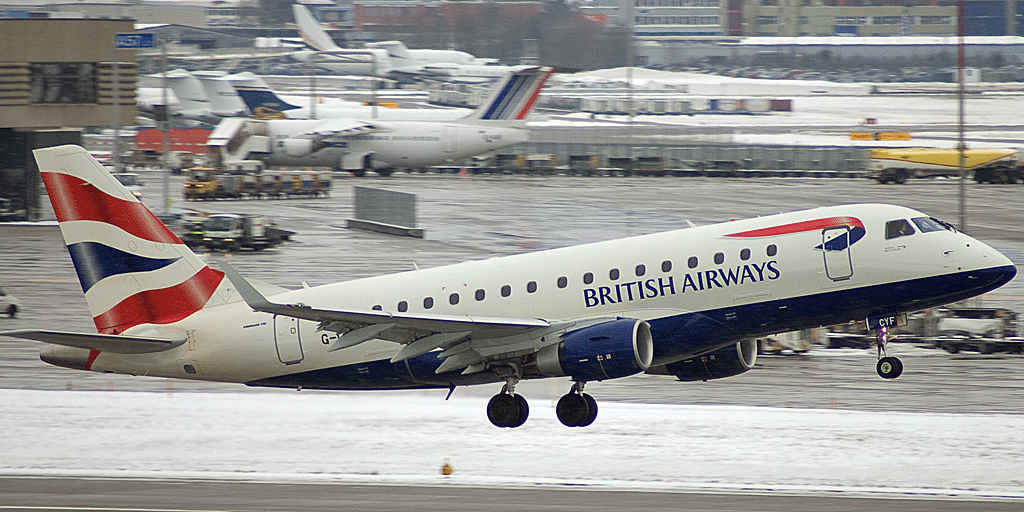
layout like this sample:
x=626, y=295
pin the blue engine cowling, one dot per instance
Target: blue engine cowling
x=609, y=350
x=724, y=362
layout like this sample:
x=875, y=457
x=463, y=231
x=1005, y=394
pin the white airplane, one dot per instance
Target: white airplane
x=685, y=303
x=389, y=59
x=362, y=144
x=204, y=97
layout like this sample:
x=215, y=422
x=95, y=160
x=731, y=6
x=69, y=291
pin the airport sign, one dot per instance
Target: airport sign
x=133, y=40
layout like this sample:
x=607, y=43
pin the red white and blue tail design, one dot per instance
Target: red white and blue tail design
x=515, y=96
x=132, y=268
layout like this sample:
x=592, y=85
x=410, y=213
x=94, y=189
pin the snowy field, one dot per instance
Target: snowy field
x=407, y=437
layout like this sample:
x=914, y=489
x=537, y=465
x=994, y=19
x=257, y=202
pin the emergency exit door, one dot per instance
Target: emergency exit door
x=289, y=347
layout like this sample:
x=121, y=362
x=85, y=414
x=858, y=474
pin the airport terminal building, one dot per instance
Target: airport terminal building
x=57, y=77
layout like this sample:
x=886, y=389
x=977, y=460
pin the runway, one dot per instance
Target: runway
x=156, y=495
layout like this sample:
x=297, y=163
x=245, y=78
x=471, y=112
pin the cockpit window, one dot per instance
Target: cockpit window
x=898, y=228
x=929, y=224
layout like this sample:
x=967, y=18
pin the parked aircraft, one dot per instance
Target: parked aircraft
x=685, y=303
x=202, y=97
x=390, y=59
x=381, y=145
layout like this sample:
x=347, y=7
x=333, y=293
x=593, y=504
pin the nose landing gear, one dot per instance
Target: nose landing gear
x=887, y=367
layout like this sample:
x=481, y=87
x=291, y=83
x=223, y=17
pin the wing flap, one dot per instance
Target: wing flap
x=117, y=344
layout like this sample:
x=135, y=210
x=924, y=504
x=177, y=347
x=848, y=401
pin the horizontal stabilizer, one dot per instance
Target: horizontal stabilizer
x=103, y=342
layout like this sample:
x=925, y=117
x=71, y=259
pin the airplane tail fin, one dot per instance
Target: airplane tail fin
x=132, y=268
x=515, y=96
x=224, y=100
x=257, y=98
x=309, y=28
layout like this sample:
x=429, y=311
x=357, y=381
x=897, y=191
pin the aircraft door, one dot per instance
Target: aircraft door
x=286, y=337
x=835, y=244
x=449, y=142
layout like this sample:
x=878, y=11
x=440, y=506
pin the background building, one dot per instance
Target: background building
x=52, y=85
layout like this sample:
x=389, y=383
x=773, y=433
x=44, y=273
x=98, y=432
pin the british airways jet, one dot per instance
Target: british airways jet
x=684, y=303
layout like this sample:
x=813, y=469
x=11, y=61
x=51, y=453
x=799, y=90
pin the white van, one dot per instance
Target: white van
x=8, y=303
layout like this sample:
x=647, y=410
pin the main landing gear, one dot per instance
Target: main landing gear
x=576, y=408
x=509, y=410
x=888, y=367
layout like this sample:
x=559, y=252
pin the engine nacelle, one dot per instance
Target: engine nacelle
x=609, y=350
x=724, y=362
x=300, y=147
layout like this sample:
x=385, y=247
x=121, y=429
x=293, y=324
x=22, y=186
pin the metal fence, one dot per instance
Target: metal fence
x=385, y=207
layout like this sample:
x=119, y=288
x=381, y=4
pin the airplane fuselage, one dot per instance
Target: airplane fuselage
x=403, y=144
x=699, y=289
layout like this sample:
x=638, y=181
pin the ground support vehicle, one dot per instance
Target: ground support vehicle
x=201, y=184
x=983, y=330
x=988, y=165
x=9, y=304
x=234, y=232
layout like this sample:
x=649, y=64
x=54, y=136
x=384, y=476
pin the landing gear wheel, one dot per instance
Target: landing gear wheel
x=572, y=410
x=889, y=367
x=592, y=406
x=507, y=411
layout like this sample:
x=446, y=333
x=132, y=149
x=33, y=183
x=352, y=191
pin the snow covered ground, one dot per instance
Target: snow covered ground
x=406, y=437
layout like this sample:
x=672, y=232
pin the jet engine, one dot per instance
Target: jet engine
x=724, y=362
x=301, y=147
x=609, y=350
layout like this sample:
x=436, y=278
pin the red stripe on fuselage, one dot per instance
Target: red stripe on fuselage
x=76, y=199
x=799, y=227
x=163, y=306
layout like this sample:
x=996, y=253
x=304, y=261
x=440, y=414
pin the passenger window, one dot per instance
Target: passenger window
x=563, y=282
x=453, y=299
x=666, y=266
x=428, y=303
x=613, y=274
x=719, y=258
x=506, y=290
x=480, y=294
x=403, y=306
x=772, y=250
x=531, y=286
x=641, y=270
x=898, y=228
x=692, y=262
x=588, y=278
x=745, y=254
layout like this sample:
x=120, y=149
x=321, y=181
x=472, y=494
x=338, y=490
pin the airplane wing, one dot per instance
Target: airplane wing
x=117, y=344
x=341, y=127
x=468, y=341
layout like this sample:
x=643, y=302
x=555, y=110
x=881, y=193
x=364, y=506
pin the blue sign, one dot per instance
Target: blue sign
x=133, y=40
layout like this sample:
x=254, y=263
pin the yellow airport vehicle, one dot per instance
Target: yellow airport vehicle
x=201, y=184
x=988, y=165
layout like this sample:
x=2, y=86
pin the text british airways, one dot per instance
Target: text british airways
x=693, y=281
